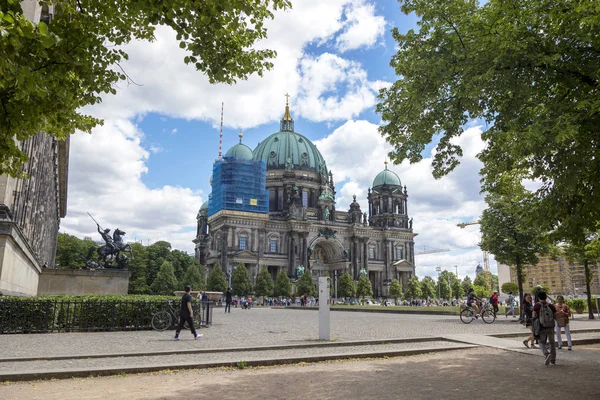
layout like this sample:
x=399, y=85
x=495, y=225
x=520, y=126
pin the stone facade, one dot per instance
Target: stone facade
x=83, y=282
x=304, y=225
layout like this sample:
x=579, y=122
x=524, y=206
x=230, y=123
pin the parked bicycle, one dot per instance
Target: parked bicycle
x=164, y=319
x=486, y=310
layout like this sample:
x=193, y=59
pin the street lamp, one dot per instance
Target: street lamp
x=438, y=269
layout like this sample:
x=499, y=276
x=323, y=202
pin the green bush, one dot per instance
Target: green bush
x=80, y=313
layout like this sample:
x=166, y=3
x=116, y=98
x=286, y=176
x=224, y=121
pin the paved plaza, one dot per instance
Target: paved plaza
x=265, y=336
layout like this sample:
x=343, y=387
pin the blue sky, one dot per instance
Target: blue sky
x=147, y=169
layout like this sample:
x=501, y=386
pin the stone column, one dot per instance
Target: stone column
x=224, y=247
x=291, y=255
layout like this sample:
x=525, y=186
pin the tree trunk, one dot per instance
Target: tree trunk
x=588, y=279
x=520, y=284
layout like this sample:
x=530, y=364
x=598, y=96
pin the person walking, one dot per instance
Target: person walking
x=228, y=300
x=510, y=302
x=545, y=313
x=185, y=314
x=562, y=321
x=528, y=319
x=494, y=301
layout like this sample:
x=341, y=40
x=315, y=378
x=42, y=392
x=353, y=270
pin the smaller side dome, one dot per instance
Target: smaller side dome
x=204, y=206
x=386, y=177
x=240, y=151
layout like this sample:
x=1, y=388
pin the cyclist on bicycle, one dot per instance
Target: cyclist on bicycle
x=472, y=301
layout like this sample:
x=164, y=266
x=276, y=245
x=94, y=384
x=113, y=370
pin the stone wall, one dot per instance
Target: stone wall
x=83, y=282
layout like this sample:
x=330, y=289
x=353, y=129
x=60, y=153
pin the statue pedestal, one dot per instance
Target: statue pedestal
x=82, y=282
x=212, y=296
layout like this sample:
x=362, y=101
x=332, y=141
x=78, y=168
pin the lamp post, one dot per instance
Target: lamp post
x=456, y=266
x=438, y=269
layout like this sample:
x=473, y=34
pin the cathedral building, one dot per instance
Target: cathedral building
x=275, y=206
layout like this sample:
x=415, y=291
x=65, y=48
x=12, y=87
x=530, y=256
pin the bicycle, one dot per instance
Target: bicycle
x=161, y=320
x=467, y=314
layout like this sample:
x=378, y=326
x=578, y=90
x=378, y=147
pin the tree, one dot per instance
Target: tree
x=413, y=288
x=508, y=232
x=457, y=289
x=482, y=291
x=305, y=285
x=395, y=290
x=57, y=69
x=138, y=266
x=363, y=287
x=240, y=281
x=428, y=288
x=283, y=286
x=194, y=277
x=165, y=282
x=346, y=286
x=264, y=283
x=71, y=251
x=182, y=261
x=529, y=70
x=583, y=250
x=467, y=284
x=216, y=281
x=481, y=280
x=158, y=252
x=510, y=287
x=443, y=287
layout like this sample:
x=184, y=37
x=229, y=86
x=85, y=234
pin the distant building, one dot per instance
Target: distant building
x=560, y=276
x=30, y=209
x=290, y=218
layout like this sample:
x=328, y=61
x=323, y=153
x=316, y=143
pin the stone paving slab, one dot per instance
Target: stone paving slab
x=28, y=370
x=260, y=327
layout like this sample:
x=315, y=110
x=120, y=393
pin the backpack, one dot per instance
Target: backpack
x=511, y=300
x=546, y=316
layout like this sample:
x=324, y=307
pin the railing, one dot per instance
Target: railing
x=17, y=316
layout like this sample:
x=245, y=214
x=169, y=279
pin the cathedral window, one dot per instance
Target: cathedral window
x=399, y=253
x=305, y=198
x=280, y=200
x=243, y=242
x=273, y=246
x=372, y=252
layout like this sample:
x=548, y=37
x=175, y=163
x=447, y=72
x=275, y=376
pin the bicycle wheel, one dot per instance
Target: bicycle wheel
x=161, y=320
x=467, y=316
x=488, y=316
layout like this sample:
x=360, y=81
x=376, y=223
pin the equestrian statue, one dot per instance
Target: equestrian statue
x=109, y=254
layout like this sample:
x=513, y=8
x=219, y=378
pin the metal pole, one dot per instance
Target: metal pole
x=335, y=282
x=438, y=269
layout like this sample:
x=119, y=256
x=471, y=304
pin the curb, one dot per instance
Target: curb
x=65, y=374
x=381, y=311
x=230, y=349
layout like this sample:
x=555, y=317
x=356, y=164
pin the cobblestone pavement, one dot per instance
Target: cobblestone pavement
x=260, y=327
x=478, y=373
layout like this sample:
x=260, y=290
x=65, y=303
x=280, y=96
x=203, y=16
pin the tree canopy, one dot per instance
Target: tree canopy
x=165, y=282
x=305, y=285
x=346, y=286
x=428, y=288
x=240, y=281
x=529, y=71
x=364, y=287
x=216, y=280
x=58, y=68
x=282, y=286
x=413, y=288
x=395, y=290
x=264, y=283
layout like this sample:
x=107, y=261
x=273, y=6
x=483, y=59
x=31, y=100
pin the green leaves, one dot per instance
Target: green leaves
x=530, y=71
x=57, y=69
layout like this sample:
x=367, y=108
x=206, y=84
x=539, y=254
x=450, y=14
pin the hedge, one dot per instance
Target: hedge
x=80, y=313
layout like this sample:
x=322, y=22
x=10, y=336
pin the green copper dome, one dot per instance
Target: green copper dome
x=386, y=177
x=240, y=151
x=204, y=206
x=287, y=149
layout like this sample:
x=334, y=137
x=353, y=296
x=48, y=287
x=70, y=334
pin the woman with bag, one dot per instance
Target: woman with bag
x=528, y=319
x=562, y=320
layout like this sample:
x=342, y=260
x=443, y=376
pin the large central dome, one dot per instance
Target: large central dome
x=287, y=146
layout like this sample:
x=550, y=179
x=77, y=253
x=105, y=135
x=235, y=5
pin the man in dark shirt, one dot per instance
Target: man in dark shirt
x=546, y=333
x=228, y=300
x=185, y=314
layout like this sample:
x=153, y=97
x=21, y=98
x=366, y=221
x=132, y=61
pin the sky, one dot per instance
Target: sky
x=147, y=169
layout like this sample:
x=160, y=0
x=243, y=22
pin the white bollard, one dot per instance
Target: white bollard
x=324, y=283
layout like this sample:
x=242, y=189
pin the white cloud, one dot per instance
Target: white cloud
x=105, y=180
x=178, y=90
x=362, y=27
x=173, y=131
x=355, y=153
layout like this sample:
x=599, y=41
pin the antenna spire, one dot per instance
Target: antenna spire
x=221, y=133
